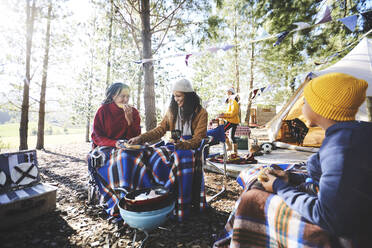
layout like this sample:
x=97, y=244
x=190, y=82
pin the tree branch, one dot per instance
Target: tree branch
x=171, y=14
x=156, y=4
x=175, y=25
x=123, y=18
x=165, y=33
x=132, y=5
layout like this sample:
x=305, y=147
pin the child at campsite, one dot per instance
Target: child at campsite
x=343, y=166
x=231, y=116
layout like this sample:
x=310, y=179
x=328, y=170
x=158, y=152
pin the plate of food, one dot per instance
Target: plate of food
x=126, y=146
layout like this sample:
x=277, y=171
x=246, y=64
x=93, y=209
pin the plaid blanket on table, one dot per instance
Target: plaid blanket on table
x=261, y=219
x=148, y=167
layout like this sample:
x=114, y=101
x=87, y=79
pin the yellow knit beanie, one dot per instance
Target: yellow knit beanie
x=336, y=96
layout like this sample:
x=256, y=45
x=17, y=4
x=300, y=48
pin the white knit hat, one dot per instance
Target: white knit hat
x=232, y=90
x=182, y=85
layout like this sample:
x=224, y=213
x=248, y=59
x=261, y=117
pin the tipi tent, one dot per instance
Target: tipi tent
x=358, y=62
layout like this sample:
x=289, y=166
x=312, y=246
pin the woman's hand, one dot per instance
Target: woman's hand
x=117, y=144
x=128, y=113
x=135, y=141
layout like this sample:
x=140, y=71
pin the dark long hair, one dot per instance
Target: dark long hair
x=113, y=90
x=191, y=105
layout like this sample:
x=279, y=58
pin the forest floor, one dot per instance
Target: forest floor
x=74, y=223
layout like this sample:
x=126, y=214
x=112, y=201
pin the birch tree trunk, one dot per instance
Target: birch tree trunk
x=41, y=122
x=23, y=127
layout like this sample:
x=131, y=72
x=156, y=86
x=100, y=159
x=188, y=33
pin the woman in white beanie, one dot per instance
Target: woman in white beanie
x=185, y=114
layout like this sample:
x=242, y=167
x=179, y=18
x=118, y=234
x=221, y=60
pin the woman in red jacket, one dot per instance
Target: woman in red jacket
x=115, y=119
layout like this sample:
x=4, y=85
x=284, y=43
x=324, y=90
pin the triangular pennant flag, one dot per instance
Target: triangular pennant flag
x=268, y=88
x=254, y=93
x=263, y=35
x=281, y=37
x=326, y=16
x=213, y=49
x=262, y=89
x=311, y=76
x=227, y=47
x=301, y=25
x=187, y=58
x=350, y=22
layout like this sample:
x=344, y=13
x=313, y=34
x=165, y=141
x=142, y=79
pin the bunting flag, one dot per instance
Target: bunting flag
x=262, y=89
x=326, y=16
x=227, y=47
x=213, y=49
x=301, y=25
x=268, y=88
x=281, y=37
x=367, y=16
x=311, y=76
x=254, y=93
x=187, y=55
x=187, y=59
x=350, y=22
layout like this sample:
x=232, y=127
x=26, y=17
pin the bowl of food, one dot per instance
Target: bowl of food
x=146, y=209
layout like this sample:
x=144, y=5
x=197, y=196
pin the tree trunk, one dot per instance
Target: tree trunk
x=108, y=80
x=236, y=54
x=149, y=91
x=87, y=129
x=90, y=96
x=237, y=76
x=139, y=88
x=41, y=123
x=247, y=117
x=23, y=127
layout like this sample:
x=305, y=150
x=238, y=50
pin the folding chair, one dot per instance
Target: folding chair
x=216, y=136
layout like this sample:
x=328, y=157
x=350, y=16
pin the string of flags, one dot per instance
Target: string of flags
x=187, y=55
x=259, y=91
x=349, y=21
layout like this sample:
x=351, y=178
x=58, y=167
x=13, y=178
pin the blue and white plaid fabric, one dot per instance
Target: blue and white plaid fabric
x=148, y=167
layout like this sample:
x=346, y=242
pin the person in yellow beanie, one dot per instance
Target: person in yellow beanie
x=342, y=168
x=231, y=117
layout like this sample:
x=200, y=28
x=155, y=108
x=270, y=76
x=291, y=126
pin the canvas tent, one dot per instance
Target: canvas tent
x=358, y=62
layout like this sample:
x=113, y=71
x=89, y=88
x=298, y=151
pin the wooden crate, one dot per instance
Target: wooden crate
x=25, y=204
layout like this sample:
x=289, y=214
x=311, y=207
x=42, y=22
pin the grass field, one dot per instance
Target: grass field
x=54, y=135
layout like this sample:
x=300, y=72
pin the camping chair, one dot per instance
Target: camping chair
x=215, y=136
